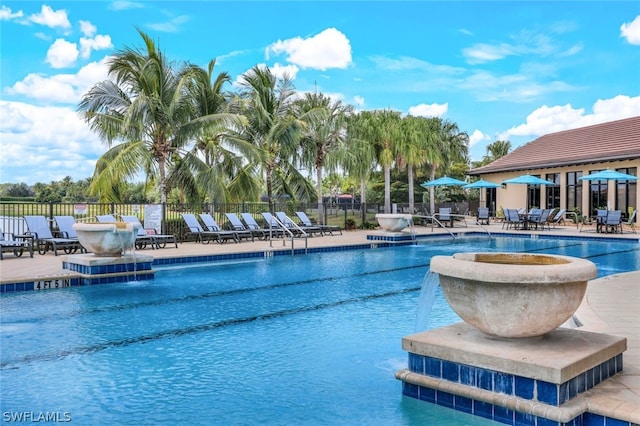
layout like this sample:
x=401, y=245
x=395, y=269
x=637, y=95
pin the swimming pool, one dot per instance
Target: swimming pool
x=286, y=340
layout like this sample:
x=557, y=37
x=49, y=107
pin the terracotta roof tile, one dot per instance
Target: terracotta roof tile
x=614, y=140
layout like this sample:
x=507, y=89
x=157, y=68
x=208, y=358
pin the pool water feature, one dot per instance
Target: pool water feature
x=286, y=340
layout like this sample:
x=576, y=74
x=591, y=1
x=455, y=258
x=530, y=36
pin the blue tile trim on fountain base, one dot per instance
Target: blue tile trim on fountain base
x=108, y=270
x=535, y=382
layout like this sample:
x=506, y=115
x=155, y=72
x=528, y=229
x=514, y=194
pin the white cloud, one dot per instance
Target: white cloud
x=171, y=26
x=631, y=31
x=280, y=70
x=477, y=136
x=547, y=119
x=50, y=18
x=99, y=42
x=87, y=28
x=43, y=144
x=481, y=52
x=358, y=100
x=432, y=110
x=328, y=49
x=6, y=14
x=62, y=54
x=61, y=88
x=125, y=5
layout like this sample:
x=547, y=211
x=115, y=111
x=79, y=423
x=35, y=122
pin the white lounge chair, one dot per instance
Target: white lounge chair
x=9, y=242
x=210, y=224
x=38, y=228
x=158, y=240
x=204, y=236
x=326, y=229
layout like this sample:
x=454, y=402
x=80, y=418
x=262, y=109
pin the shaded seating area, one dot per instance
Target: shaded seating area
x=157, y=240
x=512, y=219
x=539, y=218
x=326, y=229
x=210, y=224
x=612, y=222
x=44, y=240
x=16, y=245
x=204, y=236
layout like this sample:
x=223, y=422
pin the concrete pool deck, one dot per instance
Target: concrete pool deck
x=610, y=306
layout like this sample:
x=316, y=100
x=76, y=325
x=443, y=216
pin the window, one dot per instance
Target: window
x=598, y=190
x=552, y=194
x=533, y=195
x=626, y=192
x=574, y=191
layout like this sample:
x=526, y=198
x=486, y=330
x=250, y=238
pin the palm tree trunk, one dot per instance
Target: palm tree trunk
x=319, y=189
x=432, y=191
x=163, y=180
x=411, y=196
x=387, y=189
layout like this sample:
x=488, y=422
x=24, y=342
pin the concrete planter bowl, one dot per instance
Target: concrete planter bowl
x=513, y=295
x=107, y=239
x=393, y=222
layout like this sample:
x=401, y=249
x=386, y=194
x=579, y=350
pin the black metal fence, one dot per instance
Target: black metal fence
x=167, y=219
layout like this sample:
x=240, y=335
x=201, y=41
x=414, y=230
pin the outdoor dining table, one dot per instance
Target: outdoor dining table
x=527, y=218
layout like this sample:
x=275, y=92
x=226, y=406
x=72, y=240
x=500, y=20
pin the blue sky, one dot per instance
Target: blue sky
x=500, y=70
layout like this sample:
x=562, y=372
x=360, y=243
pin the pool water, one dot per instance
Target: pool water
x=286, y=340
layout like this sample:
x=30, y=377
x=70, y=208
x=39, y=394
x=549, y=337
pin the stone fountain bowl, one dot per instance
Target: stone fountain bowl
x=106, y=239
x=513, y=295
x=393, y=222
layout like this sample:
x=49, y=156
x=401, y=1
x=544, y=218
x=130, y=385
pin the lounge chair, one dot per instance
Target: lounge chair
x=158, y=240
x=238, y=226
x=142, y=239
x=206, y=236
x=513, y=219
x=9, y=242
x=253, y=225
x=65, y=226
x=558, y=218
x=540, y=217
x=277, y=225
x=298, y=229
x=210, y=224
x=330, y=229
x=38, y=228
x=483, y=215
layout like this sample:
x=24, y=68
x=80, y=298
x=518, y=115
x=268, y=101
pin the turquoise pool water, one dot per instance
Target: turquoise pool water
x=310, y=339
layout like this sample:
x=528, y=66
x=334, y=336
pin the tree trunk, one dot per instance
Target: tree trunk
x=387, y=189
x=432, y=191
x=410, y=179
x=319, y=190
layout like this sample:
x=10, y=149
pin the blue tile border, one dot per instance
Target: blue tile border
x=509, y=384
x=498, y=413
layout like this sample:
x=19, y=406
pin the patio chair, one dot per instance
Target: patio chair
x=601, y=216
x=540, y=218
x=210, y=224
x=444, y=216
x=296, y=228
x=513, y=219
x=206, y=236
x=483, y=215
x=330, y=229
x=65, y=226
x=43, y=238
x=238, y=226
x=613, y=222
x=16, y=245
x=253, y=225
x=275, y=223
x=158, y=240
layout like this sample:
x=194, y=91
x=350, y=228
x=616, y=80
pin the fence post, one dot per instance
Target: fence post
x=50, y=214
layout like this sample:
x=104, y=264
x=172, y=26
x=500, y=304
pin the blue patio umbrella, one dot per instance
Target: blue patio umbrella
x=609, y=174
x=482, y=184
x=528, y=180
x=444, y=181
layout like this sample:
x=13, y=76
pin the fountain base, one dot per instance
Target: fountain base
x=107, y=270
x=513, y=381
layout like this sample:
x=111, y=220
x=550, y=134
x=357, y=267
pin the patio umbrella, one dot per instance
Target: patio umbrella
x=528, y=180
x=444, y=181
x=482, y=184
x=608, y=175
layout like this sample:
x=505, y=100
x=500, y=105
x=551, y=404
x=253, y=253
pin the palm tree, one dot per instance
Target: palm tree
x=216, y=166
x=356, y=154
x=413, y=148
x=325, y=131
x=144, y=107
x=267, y=103
x=383, y=129
x=496, y=150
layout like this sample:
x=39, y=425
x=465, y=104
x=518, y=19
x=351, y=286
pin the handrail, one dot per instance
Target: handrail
x=289, y=231
x=482, y=227
x=434, y=218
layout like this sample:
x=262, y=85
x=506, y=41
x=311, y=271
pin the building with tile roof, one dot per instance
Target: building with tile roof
x=564, y=157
